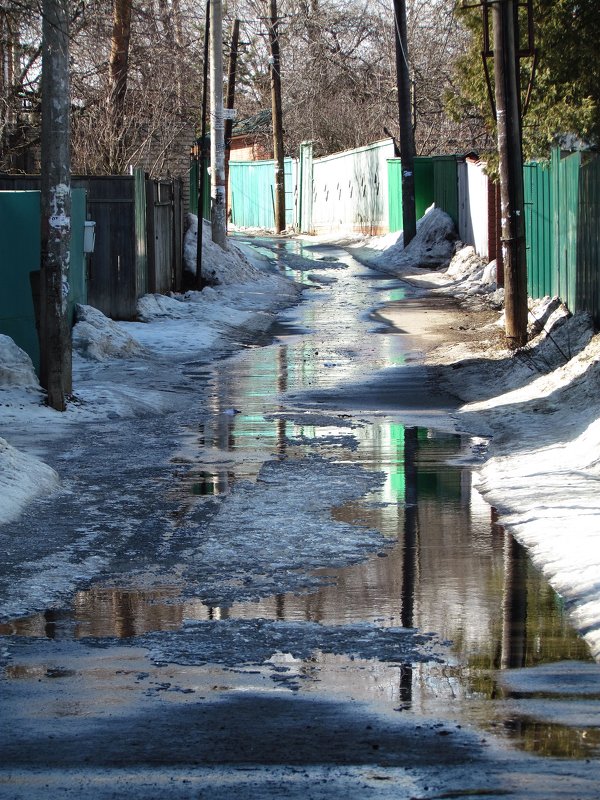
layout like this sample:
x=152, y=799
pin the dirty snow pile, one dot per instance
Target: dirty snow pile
x=218, y=266
x=21, y=476
x=98, y=337
x=432, y=247
x=119, y=367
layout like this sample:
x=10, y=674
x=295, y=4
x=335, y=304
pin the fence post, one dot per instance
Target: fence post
x=141, y=243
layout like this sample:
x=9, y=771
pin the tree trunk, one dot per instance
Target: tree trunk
x=118, y=68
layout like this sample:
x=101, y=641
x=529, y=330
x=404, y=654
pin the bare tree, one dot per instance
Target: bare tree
x=118, y=67
x=153, y=94
x=20, y=58
x=339, y=72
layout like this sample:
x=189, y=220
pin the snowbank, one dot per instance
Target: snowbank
x=431, y=248
x=16, y=368
x=22, y=477
x=99, y=338
x=219, y=266
x=544, y=473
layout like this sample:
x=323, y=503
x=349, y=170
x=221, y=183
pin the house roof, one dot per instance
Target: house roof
x=258, y=123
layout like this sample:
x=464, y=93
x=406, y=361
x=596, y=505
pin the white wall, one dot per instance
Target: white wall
x=473, y=206
x=350, y=190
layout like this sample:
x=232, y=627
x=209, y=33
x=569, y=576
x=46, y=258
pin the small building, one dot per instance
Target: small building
x=252, y=138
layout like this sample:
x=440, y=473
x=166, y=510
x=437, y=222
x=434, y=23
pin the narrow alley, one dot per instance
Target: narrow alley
x=288, y=585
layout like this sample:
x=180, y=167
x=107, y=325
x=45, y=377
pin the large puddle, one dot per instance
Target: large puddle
x=449, y=568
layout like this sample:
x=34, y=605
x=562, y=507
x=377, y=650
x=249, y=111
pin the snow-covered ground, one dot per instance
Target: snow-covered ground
x=539, y=408
x=195, y=326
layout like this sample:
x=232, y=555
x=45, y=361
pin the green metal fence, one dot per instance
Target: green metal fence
x=20, y=255
x=436, y=181
x=445, y=185
x=565, y=178
x=423, y=189
x=252, y=193
x=562, y=222
x=588, y=234
x=539, y=216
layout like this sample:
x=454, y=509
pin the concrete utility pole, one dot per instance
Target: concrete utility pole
x=277, y=115
x=217, y=127
x=202, y=152
x=407, y=138
x=510, y=151
x=55, y=331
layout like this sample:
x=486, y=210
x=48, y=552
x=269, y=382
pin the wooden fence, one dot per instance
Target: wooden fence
x=139, y=237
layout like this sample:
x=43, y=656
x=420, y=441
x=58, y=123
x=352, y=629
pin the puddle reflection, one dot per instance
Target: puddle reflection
x=453, y=570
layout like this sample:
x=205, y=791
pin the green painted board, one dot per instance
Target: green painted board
x=588, y=234
x=445, y=185
x=20, y=246
x=423, y=189
x=252, y=193
x=539, y=216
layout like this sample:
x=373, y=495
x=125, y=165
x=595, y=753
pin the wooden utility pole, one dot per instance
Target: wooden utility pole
x=55, y=332
x=202, y=152
x=407, y=138
x=277, y=116
x=510, y=151
x=231, y=73
x=217, y=129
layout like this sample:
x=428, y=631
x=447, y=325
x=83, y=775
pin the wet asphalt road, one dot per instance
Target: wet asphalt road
x=281, y=589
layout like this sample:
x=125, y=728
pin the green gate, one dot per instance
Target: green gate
x=252, y=193
x=423, y=189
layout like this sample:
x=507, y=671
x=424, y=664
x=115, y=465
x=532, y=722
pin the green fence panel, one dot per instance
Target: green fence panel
x=194, y=187
x=252, y=193
x=539, y=216
x=588, y=234
x=424, y=196
x=565, y=179
x=20, y=246
x=445, y=185
x=19, y=255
